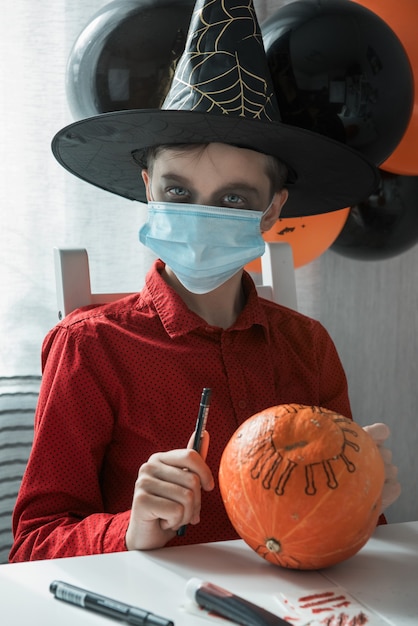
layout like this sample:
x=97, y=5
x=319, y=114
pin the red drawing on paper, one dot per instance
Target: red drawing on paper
x=333, y=607
x=328, y=601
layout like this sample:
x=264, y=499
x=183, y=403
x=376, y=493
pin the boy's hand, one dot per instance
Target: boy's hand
x=392, y=488
x=167, y=495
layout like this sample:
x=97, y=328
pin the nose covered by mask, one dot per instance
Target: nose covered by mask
x=203, y=245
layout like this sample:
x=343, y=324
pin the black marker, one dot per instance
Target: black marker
x=200, y=428
x=224, y=603
x=106, y=606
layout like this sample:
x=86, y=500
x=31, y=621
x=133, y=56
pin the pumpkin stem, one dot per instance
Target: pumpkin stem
x=296, y=444
x=273, y=545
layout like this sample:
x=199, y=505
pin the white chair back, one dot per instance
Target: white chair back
x=72, y=275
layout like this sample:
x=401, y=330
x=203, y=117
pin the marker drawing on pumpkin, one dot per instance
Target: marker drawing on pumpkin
x=273, y=463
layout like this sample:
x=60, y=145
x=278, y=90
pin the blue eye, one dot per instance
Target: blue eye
x=178, y=191
x=234, y=200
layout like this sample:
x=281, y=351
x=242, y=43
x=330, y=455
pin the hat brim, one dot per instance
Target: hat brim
x=99, y=150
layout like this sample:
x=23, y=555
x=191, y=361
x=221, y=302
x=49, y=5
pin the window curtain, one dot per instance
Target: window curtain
x=42, y=205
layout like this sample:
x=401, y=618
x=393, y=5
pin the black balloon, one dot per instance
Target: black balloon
x=384, y=225
x=340, y=70
x=125, y=56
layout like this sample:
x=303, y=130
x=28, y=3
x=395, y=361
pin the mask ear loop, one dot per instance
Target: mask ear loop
x=150, y=190
x=149, y=187
x=268, y=208
x=264, y=213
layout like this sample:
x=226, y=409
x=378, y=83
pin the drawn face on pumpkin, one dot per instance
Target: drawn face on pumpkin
x=302, y=485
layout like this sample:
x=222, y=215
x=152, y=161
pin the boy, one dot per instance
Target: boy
x=122, y=382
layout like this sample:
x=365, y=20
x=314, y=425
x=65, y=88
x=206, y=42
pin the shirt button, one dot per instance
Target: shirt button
x=242, y=404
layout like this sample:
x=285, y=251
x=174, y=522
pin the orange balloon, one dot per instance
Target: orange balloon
x=401, y=17
x=308, y=236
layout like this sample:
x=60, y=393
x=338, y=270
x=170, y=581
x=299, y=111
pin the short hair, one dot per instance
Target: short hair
x=276, y=170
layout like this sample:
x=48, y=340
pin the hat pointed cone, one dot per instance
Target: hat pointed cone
x=223, y=69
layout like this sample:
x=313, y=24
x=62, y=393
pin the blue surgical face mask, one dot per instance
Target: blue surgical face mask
x=203, y=245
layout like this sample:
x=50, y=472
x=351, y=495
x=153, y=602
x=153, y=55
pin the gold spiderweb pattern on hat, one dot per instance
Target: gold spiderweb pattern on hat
x=223, y=68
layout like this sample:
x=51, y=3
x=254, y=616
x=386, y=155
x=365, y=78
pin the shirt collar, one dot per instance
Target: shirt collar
x=177, y=318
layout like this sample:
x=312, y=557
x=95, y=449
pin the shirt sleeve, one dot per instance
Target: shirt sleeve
x=60, y=510
x=332, y=379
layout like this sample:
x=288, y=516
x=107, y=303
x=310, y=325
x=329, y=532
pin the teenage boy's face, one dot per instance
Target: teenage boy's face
x=216, y=175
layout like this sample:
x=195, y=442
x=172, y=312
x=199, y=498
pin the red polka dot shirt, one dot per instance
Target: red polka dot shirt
x=123, y=380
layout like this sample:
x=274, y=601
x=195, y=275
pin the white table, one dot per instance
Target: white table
x=383, y=576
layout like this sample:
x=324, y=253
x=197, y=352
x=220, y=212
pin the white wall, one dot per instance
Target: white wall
x=41, y=204
x=371, y=311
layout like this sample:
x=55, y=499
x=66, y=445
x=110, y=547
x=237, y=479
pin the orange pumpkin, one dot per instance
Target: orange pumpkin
x=302, y=485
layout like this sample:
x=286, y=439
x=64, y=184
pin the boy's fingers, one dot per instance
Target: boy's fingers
x=204, y=444
x=378, y=432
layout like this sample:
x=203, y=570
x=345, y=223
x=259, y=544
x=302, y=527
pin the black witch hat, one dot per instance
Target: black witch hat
x=221, y=92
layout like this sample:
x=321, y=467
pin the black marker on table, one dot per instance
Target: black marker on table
x=199, y=430
x=106, y=606
x=225, y=603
